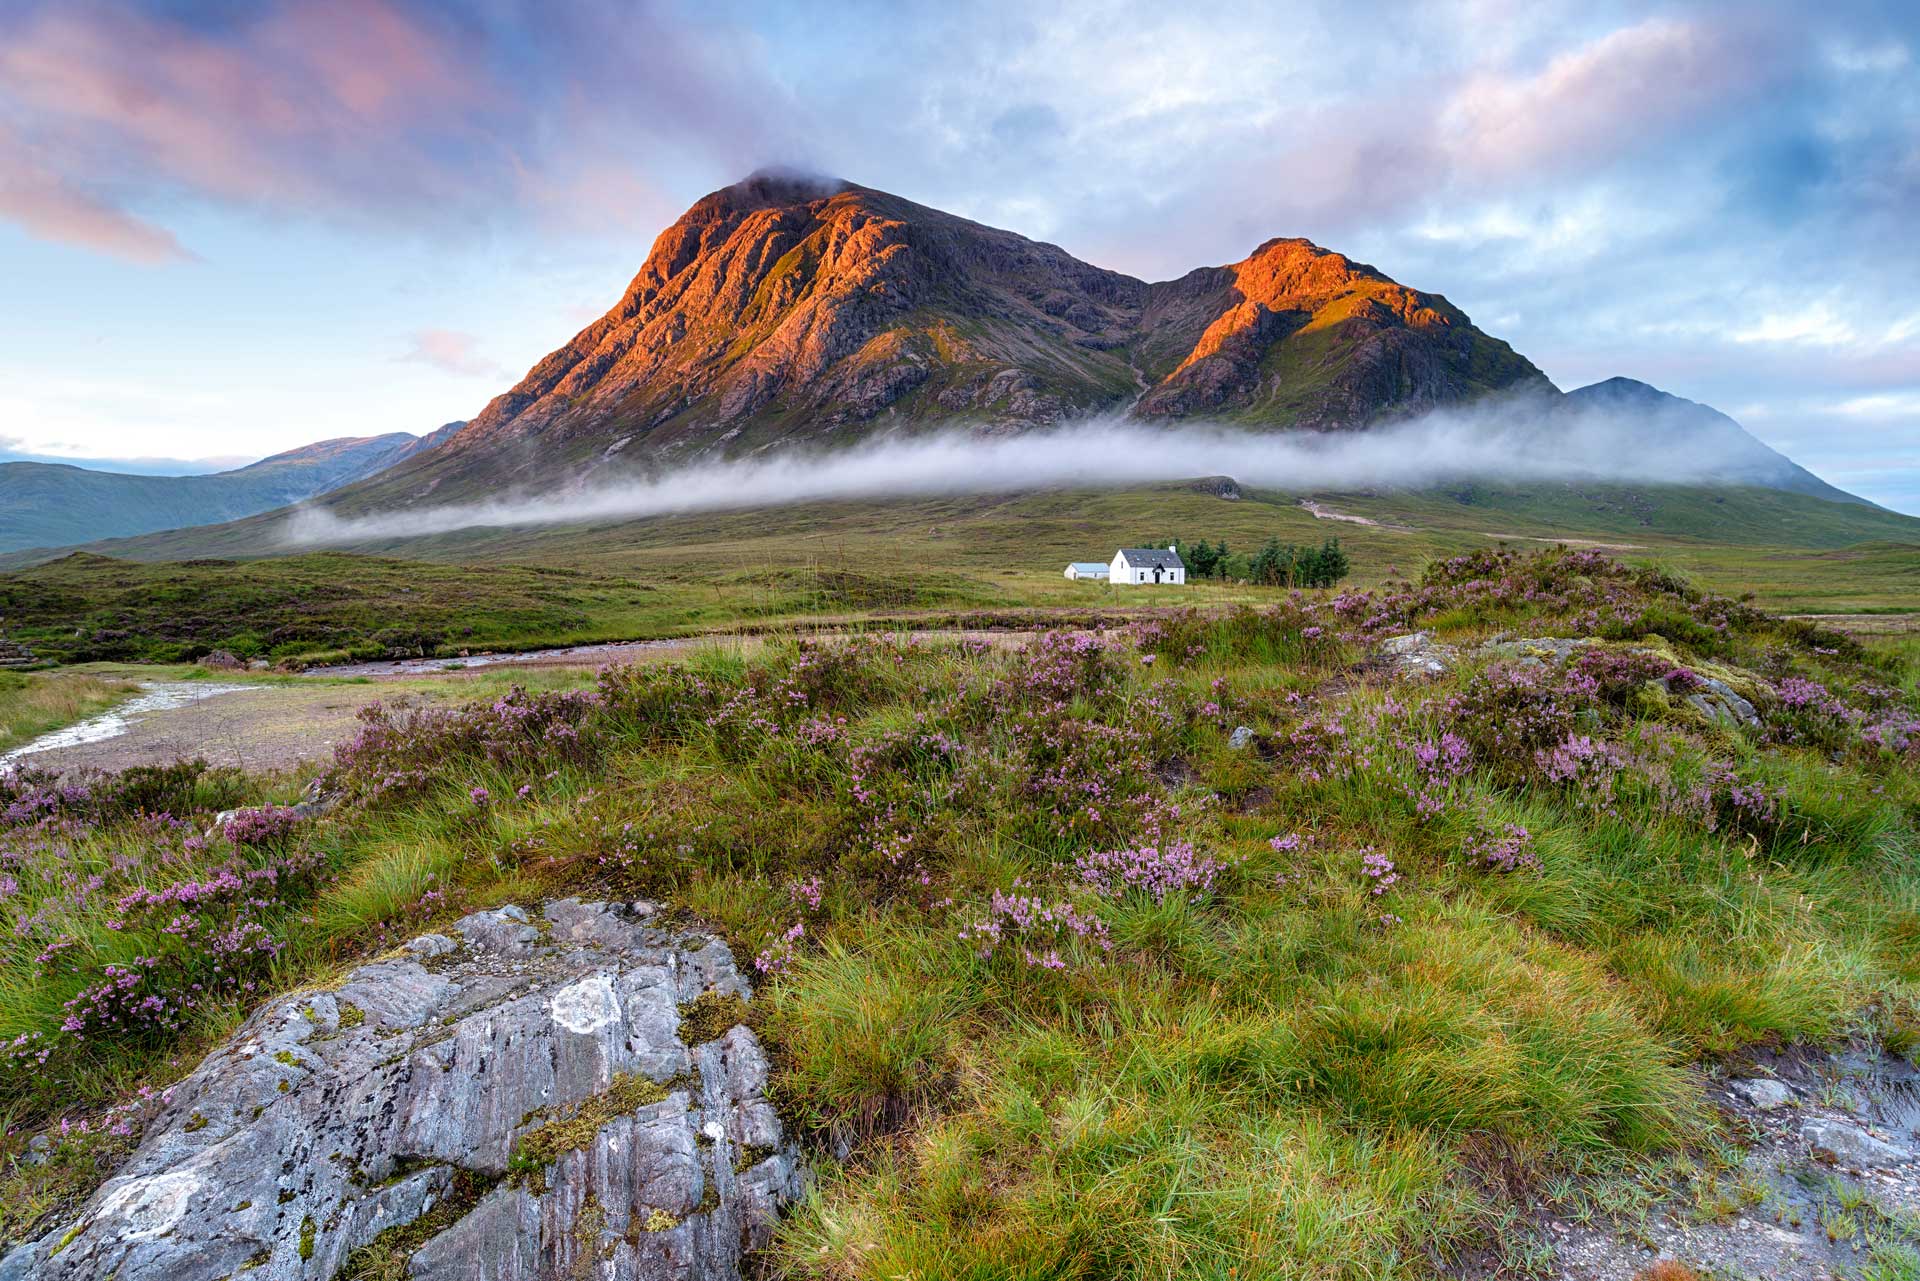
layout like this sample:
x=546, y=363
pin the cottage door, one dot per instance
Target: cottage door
x=1156, y=573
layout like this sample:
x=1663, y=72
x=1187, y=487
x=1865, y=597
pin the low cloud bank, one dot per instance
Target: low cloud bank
x=1437, y=449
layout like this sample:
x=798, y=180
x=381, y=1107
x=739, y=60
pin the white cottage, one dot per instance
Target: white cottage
x=1087, y=569
x=1138, y=565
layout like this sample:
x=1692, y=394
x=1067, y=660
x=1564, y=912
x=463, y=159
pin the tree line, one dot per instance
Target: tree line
x=1276, y=564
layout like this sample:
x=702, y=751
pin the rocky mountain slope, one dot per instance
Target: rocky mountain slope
x=785, y=310
x=50, y=504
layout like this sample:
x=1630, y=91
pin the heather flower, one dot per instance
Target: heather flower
x=778, y=956
x=1171, y=868
x=1508, y=850
x=1037, y=929
x=1379, y=867
x=805, y=893
x=262, y=825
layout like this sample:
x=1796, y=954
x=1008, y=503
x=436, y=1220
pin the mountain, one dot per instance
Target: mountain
x=787, y=310
x=49, y=504
x=792, y=312
x=1666, y=422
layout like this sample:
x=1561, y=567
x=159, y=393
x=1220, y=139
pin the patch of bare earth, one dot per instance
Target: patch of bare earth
x=265, y=728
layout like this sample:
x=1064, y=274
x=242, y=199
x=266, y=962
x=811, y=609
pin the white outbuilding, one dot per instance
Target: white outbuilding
x=1088, y=569
x=1146, y=565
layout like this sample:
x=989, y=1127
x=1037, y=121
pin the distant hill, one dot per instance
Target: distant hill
x=1665, y=421
x=51, y=504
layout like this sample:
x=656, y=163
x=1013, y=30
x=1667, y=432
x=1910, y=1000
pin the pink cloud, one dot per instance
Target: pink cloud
x=47, y=206
x=453, y=352
x=308, y=107
x=1591, y=102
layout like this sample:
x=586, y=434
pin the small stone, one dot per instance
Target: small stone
x=1418, y=654
x=39, y=1148
x=1762, y=1092
x=1240, y=739
x=1850, y=1146
x=1717, y=701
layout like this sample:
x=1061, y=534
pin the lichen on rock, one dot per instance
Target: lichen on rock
x=513, y=1102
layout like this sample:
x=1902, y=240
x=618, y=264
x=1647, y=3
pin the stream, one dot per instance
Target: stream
x=157, y=696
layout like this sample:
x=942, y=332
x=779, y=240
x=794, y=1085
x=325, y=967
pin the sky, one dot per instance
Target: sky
x=235, y=226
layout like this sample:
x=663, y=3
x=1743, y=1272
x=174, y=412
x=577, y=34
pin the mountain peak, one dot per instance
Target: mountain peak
x=794, y=307
x=771, y=187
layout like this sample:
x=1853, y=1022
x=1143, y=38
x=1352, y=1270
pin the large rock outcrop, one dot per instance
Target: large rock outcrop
x=529, y=1098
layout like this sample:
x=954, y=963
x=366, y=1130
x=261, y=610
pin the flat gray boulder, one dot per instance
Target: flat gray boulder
x=1418, y=654
x=522, y=1099
x=1762, y=1093
x=1850, y=1146
x=1720, y=703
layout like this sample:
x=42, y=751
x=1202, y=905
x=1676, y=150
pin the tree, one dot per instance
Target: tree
x=1202, y=560
x=1334, y=564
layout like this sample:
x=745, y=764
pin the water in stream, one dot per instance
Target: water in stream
x=156, y=696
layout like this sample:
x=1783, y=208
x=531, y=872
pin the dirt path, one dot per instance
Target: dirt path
x=260, y=728
x=1320, y=511
x=1568, y=542
x=570, y=656
x=1866, y=624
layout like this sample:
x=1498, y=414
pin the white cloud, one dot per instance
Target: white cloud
x=1817, y=324
x=1883, y=406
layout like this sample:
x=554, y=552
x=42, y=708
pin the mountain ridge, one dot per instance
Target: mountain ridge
x=784, y=310
x=1662, y=414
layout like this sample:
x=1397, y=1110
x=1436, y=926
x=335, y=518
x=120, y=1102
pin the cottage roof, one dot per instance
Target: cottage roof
x=1151, y=558
x=1089, y=566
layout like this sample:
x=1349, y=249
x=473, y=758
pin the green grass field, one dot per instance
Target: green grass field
x=1299, y=1004
x=928, y=562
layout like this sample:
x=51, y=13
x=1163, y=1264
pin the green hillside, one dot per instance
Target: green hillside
x=932, y=562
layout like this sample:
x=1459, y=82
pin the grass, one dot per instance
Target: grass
x=1256, y=1057
x=33, y=703
x=959, y=561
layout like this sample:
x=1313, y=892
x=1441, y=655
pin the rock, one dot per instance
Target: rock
x=1717, y=701
x=1241, y=738
x=39, y=1148
x=1418, y=654
x=221, y=660
x=1850, y=1146
x=1762, y=1093
x=1535, y=651
x=258, y=665
x=524, y=1092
